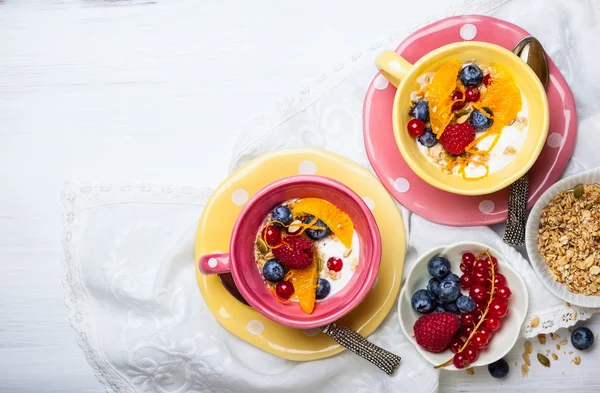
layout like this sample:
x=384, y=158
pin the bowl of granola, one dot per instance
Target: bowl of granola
x=304, y=251
x=469, y=118
x=563, y=239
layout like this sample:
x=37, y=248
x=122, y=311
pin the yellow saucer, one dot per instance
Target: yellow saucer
x=221, y=212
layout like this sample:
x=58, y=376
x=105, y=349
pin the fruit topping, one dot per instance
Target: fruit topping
x=428, y=138
x=471, y=75
x=272, y=236
x=335, y=219
x=503, y=293
x=498, y=369
x=416, y=127
x=479, y=293
x=296, y=253
x=482, y=277
x=284, y=289
x=438, y=267
x=449, y=291
x=498, y=308
x=466, y=267
x=420, y=111
x=471, y=352
x=479, y=340
x=469, y=258
x=492, y=323
x=273, y=270
x=282, y=215
x=456, y=344
x=323, y=288
x=582, y=338
x=466, y=281
x=472, y=94
x=500, y=280
x=457, y=95
x=318, y=231
x=335, y=264
x=487, y=79
x=456, y=137
x=461, y=360
x=480, y=121
x=439, y=93
x=423, y=301
x=305, y=283
x=434, y=332
x=465, y=304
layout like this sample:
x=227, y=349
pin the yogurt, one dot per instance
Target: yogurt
x=333, y=247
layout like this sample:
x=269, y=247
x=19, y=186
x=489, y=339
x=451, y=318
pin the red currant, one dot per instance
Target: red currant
x=468, y=319
x=466, y=331
x=471, y=352
x=466, y=281
x=503, y=293
x=456, y=345
x=499, y=280
x=482, y=278
x=461, y=360
x=479, y=293
x=492, y=323
x=479, y=307
x=472, y=94
x=498, y=308
x=272, y=235
x=481, y=265
x=468, y=258
x=284, y=289
x=487, y=79
x=486, y=331
x=457, y=95
x=335, y=264
x=416, y=127
x=458, y=105
x=479, y=340
x=466, y=267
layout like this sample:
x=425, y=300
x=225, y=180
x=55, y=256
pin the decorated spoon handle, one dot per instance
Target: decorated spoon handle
x=353, y=341
x=518, y=194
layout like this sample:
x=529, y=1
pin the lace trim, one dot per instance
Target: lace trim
x=550, y=322
x=78, y=198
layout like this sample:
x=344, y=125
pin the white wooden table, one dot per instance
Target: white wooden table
x=151, y=91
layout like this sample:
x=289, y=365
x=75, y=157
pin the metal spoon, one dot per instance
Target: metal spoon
x=531, y=51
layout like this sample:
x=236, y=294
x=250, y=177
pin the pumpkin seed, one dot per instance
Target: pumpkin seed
x=543, y=360
x=262, y=246
x=578, y=191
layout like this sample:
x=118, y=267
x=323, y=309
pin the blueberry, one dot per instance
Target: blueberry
x=428, y=138
x=582, y=338
x=465, y=304
x=323, y=288
x=479, y=121
x=282, y=214
x=434, y=286
x=420, y=111
x=273, y=270
x=471, y=75
x=423, y=301
x=498, y=369
x=449, y=291
x=438, y=267
x=316, y=234
x=451, y=307
x=439, y=308
x=451, y=277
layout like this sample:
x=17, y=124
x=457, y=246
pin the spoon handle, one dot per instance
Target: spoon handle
x=356, y=343
x=518, y=194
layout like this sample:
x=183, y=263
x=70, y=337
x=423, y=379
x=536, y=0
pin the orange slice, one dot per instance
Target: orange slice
x=305, y=285
x=439, y=95
x=338, y=222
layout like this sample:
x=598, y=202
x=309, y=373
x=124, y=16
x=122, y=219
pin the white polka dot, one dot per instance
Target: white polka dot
x=311, y=332
x=394, y=65
x=487, y=206
x=468, y=32
x=212, y=263
x=554, y=140
x=380, y=82
x=255, y=327
x=239, y=197
x=370, y=203
x=401, y=185
x=307, y=168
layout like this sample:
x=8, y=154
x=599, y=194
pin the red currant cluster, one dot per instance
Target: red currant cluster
x=491, y=299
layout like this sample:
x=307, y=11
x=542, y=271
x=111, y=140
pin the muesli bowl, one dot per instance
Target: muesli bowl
x=477, y=166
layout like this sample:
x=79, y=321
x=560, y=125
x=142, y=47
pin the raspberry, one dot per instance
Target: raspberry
x=297, y=253
x=456, y=137
x=434, y=332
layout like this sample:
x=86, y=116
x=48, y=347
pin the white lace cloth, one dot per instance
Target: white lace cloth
x=129, y=273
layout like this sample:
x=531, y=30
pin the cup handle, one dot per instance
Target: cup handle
x=392, y=66
x=214, y=263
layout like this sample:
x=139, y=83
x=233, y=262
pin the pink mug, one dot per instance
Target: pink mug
x=241, y=263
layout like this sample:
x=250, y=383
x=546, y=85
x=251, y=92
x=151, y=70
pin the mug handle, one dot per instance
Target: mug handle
x=392, y=66
x=214, y=263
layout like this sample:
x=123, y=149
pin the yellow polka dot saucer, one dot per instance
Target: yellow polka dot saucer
x=220, y=214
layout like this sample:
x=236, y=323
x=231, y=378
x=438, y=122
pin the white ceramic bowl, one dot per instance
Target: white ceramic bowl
x=531, y=239
x=503, y=339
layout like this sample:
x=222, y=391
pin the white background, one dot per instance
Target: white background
x=149, y=91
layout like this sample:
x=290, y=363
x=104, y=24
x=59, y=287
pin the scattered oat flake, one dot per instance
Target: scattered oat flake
x=568, y=304
x=548, y=352
x=558, y=346
x=574, y=316
x=570, y=352
x=542, y=338
x=470, y=371
x=524, y=370
x=564, y=342
x=552, y=336
x=576, y=360
x=526, y=359
x=528, y=347
x=516, y=364
x=535, y=322
x=554, y=356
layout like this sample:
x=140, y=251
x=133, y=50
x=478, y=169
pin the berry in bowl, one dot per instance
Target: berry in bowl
x=469, y=118
x=304, y=251
x=463, y=305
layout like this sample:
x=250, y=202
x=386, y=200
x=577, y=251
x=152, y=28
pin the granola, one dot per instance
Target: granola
x=568, y=240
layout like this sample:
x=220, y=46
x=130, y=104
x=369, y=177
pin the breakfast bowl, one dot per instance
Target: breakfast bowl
x=488, y=102
x=336, y=212
x=502, y=314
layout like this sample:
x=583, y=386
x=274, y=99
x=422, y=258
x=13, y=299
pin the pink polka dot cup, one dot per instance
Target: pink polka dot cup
x=240, y=260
